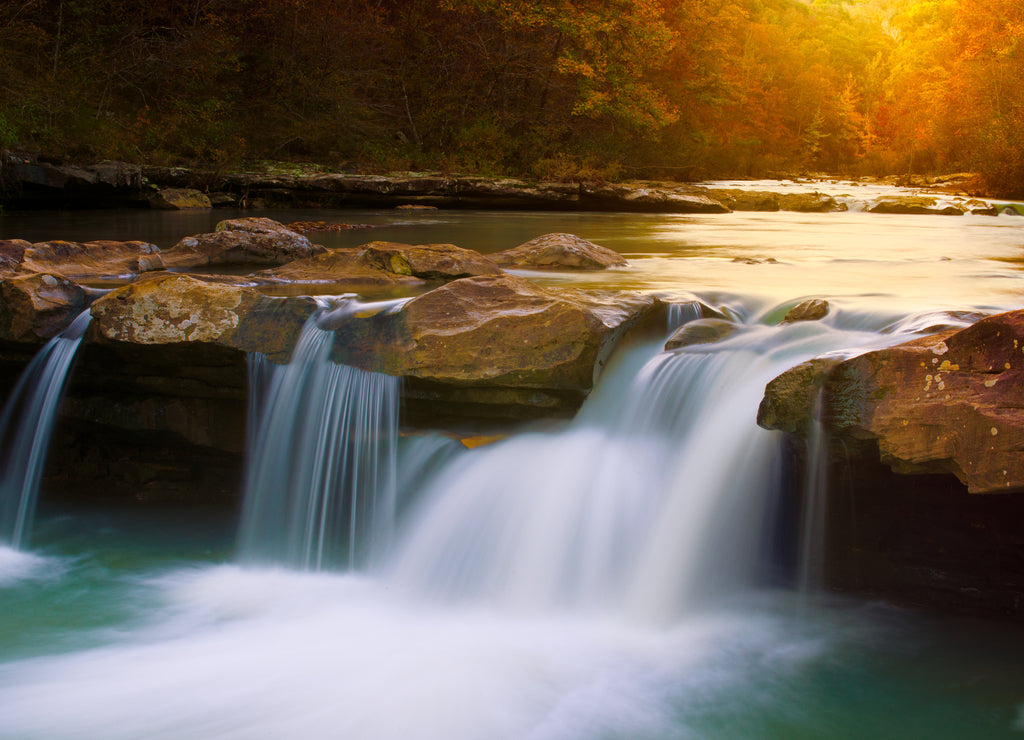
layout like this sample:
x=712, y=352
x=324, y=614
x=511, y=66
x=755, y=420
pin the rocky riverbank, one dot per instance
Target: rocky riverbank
x=28, y=182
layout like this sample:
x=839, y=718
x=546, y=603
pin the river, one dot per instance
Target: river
x=605, y=578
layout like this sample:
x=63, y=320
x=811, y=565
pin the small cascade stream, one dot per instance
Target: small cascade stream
x=25, y=428
x=321, y=464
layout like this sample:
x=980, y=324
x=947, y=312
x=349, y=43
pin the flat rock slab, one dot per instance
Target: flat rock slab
x=99, y=259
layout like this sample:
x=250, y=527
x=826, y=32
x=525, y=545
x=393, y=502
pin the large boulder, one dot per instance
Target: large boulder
x=38, y=306
x=559, y=251
x=428, y=261
x=339, y=267
x=175, y=309
x=947, y=403
x=242, y=241
x=501, y=345
x=99, y=259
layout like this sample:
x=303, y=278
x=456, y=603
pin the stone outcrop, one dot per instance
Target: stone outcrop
x=99, y=259
x=559, y=252
x=494, y=346
x=179, y=199
x=345, y=268
x=428, y=261
x=37, y=306
x=175, y=309
x=947, y=403
x=12, y=252
x=761, y=200
x=656, y=198
x=241, y=241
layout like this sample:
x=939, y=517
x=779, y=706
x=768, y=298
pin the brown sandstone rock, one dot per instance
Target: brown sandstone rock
x=93, y=259
x=174, y=309
x=242, y=241
x=494, y=341
x=38, y=306
x=428, y=261
x=559, y=251
x=948, y=403
x=345, y=267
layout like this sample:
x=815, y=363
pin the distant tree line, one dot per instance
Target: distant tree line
x=548, y=88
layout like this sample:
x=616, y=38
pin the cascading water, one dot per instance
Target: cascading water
x=320, y=477
x=811, y=564
x=651, y=499
x=25, y=428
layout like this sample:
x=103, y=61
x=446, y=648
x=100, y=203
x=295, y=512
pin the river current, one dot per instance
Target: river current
x=606, y=578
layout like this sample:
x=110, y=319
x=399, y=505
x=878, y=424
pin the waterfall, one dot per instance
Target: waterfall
x=649, y=502
x=25, y=428
x=811, y=564
x=320, y=485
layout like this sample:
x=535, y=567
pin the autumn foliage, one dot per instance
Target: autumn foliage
x=552, y=88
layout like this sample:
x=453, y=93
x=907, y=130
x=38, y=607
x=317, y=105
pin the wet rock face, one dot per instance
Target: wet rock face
x=701, y=331
x=948, y=403
x=813, y=309
x=36, y=307
x=242, y=241
x=559, y=251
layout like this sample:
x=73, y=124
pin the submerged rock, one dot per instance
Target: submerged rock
x=559, y=251
x=813, y=309
x=701, y=331
x=242, y=241
x=947, y=403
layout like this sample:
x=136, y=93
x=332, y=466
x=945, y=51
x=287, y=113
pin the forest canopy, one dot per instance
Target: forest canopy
x=545, y=88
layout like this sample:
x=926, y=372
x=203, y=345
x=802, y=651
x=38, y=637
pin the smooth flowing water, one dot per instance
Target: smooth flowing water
x=25, y=427
x=608, y=578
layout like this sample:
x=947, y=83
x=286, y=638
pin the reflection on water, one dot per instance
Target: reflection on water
x=910, y=262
